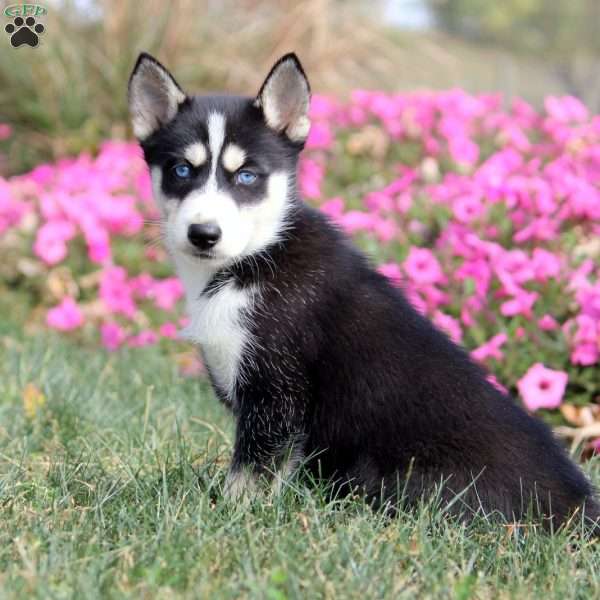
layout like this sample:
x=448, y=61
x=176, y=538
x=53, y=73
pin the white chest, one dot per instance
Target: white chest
x=218, y=324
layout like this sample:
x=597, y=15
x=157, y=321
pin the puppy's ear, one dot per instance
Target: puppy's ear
x=285, y=98
x=154, y=96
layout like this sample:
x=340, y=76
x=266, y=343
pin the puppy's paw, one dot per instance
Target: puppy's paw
x=240, y=486
x=282, y=476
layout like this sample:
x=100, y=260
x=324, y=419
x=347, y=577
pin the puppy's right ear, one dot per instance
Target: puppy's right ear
x=154, y=96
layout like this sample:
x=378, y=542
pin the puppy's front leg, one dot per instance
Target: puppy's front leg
x=267, y=443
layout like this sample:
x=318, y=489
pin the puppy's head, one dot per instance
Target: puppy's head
x=222, y=167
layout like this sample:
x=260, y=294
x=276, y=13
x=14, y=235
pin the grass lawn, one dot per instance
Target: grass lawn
x=110, y=487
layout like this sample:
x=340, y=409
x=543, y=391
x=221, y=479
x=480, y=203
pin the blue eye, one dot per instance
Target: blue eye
x=182, y=171
x=245, y=177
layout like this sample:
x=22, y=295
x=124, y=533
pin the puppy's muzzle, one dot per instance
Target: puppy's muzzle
x=204, y=235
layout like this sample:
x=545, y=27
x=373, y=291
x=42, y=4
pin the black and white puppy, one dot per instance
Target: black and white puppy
x=316, y=354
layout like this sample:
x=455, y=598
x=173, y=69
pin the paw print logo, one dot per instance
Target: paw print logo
x=24, y=31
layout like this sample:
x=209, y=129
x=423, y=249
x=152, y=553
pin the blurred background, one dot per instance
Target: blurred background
x=69, y=94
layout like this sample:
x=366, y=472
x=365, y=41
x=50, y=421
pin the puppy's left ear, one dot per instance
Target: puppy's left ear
x=154, y=96
x=285, y=99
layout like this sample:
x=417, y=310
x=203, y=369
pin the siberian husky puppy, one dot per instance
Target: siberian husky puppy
x=320, y=359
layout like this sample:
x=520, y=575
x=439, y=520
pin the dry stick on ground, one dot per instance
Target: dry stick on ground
x=579, y=434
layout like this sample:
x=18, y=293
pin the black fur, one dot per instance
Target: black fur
x=347, y=368
x=346, y=371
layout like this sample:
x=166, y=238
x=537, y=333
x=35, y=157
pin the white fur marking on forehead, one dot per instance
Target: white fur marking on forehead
x=196, y=154
x=216, y=137
x=233, y=157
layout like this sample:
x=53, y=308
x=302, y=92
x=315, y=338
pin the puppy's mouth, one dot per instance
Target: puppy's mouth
x=203, y=254
x=196, y=254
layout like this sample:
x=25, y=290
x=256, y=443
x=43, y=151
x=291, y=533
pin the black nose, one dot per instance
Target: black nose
x=204, y=236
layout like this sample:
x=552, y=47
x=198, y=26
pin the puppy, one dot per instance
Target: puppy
x=318, y=357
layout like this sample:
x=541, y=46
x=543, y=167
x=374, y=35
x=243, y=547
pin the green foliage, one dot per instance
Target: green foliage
x=535, y=25
x=562, y=33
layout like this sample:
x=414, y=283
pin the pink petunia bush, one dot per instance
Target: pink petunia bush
x=487, y=214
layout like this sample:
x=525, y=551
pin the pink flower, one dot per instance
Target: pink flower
x=585, y=354
x=588, y=297
x=322, y=107
x=467, y=208
x=167, y=293
x=448, y=324
x=588, y=329
x=333, y=208
x=143, y=186
x=356, y=220
x=12, y=210
x=491, y=349
x=466, y=316
x=522, y=304
x=310, y=178
x=385, y=229
x=98, y=242
x=116, y=293
x=579, y=277
x=5, y=131
x=168, y=330
x=548, y=323
x=514, y=266
x=434, y=297
x=541, y=387
x=464, y=150
x=379, y=201
x=585, y=341
x=50, y=243
x=494, y=381
x=566, y=108
x=66, y=316
x=422, y=266
x=112, y=335
x=404, y=202
x=546, y=265
x=391, y=271
x=142, y=286
x=416, y=300
x=320, y=136
x=479, y=272
x=146, y=337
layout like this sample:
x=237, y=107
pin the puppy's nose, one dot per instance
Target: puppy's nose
x=204, y=236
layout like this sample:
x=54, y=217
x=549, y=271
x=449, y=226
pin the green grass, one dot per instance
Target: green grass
x=113, y=490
